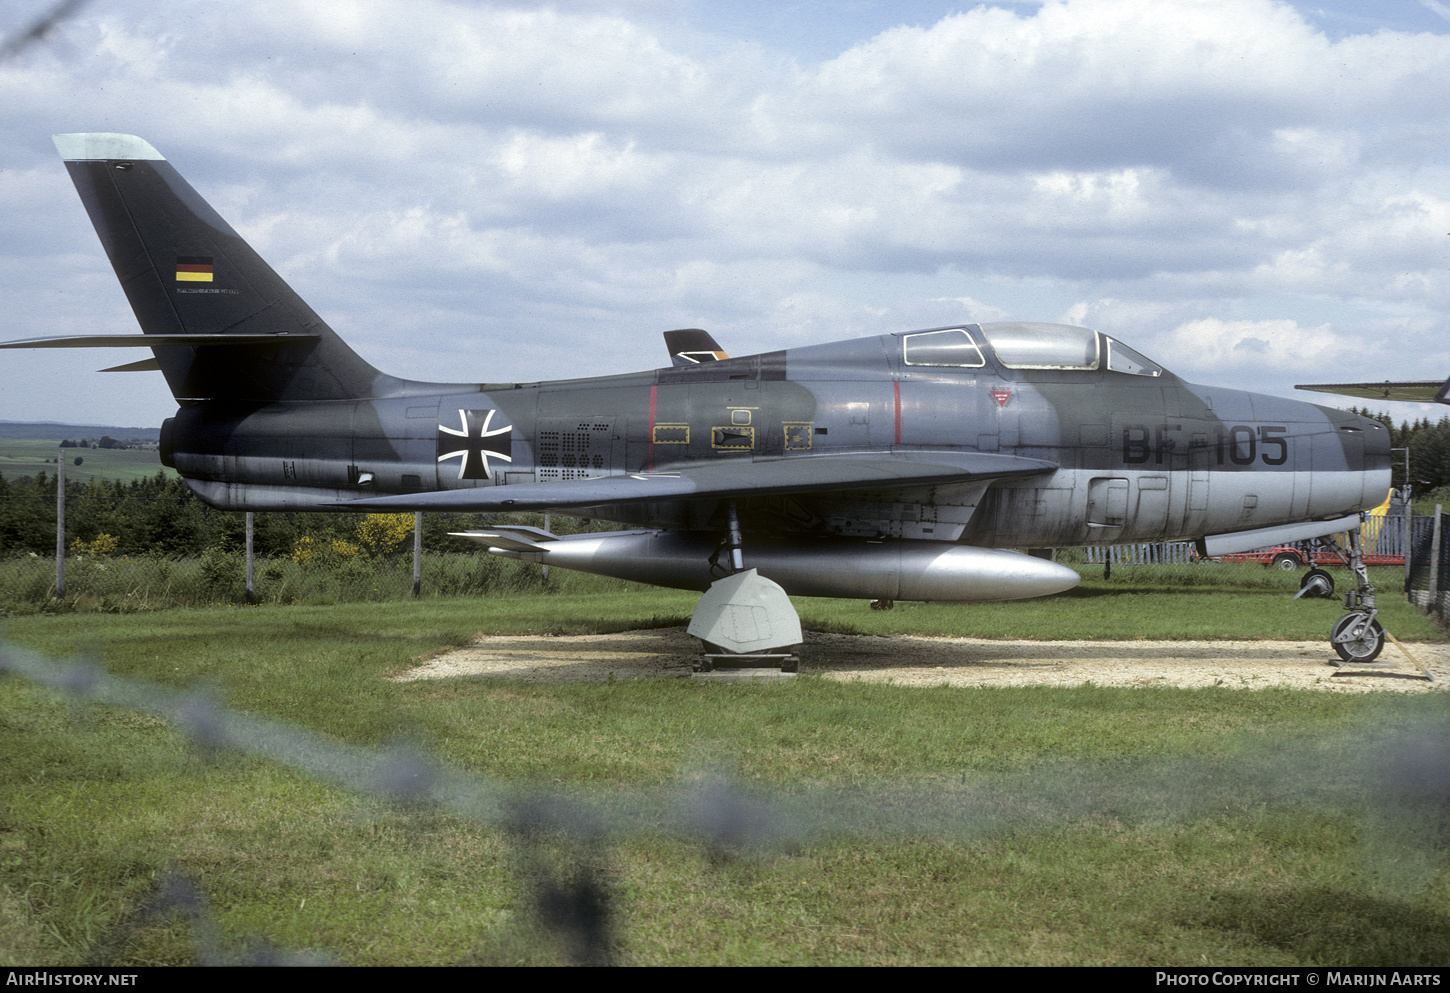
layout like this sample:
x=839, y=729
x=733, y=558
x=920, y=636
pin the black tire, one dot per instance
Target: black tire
x=1285, y=562
x=1327, y=589
x=1366, y=648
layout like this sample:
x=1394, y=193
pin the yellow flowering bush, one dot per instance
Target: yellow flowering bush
x=105, y=544
x=308, y=549
x=383, y=534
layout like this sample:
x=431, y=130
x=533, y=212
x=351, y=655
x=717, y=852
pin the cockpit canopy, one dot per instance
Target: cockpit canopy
x=1023, y=345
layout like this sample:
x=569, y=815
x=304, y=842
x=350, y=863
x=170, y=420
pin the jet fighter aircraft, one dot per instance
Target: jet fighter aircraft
x=892, y=467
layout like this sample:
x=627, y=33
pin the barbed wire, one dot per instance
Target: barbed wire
x=40, y=28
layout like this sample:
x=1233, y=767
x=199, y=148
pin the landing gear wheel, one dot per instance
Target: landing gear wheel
x=1285, y=562
x=1317, y=583
x=1365, y=648
x=882, y=604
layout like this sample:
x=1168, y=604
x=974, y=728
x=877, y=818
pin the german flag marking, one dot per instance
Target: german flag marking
x=193, y=269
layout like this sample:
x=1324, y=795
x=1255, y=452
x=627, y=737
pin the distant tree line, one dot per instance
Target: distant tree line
x=106, y=442
x=1429, y=445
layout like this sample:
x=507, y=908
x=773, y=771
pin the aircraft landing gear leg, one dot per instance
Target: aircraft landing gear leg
x=737, y=554
x=1358, y=636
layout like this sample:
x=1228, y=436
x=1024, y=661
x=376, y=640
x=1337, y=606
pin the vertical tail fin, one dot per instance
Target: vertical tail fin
x=185, y=271
x=691, y=346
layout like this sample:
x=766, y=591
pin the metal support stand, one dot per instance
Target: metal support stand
x=60, y=524
x=745, y=622
x=417, y=553
x=251, y=586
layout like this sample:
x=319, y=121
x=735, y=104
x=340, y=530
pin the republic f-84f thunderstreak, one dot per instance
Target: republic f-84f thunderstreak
x=896, y=467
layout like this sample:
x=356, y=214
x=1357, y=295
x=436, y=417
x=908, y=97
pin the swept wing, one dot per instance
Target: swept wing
x=714, y=480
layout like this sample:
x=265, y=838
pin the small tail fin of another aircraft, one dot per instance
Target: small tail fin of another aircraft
x=691, y=346
x=187, y=273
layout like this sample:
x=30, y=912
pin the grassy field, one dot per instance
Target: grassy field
x=672, y=822
x=1153, y=602
x=28, y=457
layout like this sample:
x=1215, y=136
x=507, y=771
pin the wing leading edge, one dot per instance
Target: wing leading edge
x=696, y=481
x=1432, y=391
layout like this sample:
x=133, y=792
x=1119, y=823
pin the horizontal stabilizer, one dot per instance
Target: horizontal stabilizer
x=1425, y=391
x=714, y=480
x=158, y=340
x=514, y=539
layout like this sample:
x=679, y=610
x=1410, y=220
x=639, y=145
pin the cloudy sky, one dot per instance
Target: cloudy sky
x=1252, y=192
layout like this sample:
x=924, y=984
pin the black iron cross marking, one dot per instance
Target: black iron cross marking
x=472, y=442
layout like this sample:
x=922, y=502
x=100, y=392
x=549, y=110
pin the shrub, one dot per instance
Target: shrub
x=384, y=534
x=223, y=574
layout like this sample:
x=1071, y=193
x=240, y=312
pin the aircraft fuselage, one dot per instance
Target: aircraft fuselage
x=1141, y=455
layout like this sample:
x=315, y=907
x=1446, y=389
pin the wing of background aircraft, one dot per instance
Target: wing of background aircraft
x=1431, y=391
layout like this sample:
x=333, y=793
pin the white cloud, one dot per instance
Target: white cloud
x=1222, y=350
x=482, y=173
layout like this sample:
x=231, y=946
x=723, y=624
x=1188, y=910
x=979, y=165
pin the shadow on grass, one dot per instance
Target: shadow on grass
x=1331, y=927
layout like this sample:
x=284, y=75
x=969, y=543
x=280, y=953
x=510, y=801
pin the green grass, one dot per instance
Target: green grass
x=950, y=825
x=1148, y=602
x=1142, y=605
x=29, y=457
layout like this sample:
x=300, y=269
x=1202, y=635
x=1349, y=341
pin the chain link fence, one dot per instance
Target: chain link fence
x=125, y=584
x=1427, y=569
x=1144, y=553
x=154, y=546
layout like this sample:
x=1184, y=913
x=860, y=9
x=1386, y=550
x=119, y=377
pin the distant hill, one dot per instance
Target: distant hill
x=51, y=431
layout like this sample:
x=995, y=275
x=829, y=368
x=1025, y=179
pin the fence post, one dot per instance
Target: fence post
x=60, y=524
x=251, y=590
x=417, y=553
x=1435, y=554
x=1407, y=536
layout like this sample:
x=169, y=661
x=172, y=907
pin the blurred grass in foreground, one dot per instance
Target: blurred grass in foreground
x=933, y=825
